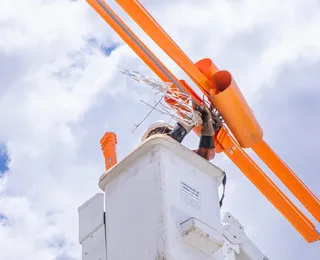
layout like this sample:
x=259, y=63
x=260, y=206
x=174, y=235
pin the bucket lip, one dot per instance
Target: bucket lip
x=165, y=142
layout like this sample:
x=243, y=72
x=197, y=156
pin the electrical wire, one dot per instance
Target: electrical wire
x=224, y=183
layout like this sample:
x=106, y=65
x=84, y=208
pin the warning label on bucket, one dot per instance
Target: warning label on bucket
x=190, y=196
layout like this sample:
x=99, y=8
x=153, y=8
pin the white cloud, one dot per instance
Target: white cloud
x=59, y=94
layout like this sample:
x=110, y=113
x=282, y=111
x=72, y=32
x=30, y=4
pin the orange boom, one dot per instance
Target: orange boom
x=224, y=94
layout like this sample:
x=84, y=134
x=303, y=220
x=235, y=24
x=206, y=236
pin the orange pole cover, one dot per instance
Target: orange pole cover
x=137, y=45
x=149, y=25
x=120, y=30
x=108, y=146
x=267, y=187
x=227, y=98
x=208, y=69
x=288, y=178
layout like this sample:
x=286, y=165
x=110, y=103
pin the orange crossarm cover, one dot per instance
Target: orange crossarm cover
x=237, y=114
x=146, y=22
x=231, y=104
x=289, y=179
x=229, y=101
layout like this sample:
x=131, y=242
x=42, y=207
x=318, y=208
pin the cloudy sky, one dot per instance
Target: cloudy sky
x=60, y=91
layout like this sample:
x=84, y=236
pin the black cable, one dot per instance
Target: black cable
x=224, y=182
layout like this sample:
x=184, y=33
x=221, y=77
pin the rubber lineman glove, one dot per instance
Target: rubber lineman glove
x=207, y=122
x=197, y=121
x=198, y=117
x=186, y=126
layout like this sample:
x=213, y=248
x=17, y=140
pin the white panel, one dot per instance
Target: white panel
x=90, y=216
x=248, y=251
x=201, y=236
x=94, y=246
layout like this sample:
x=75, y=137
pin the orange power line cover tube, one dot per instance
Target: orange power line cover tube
x=288, y=178
x=150, y=26
x=227, y=98
x=267, y=187
x=138, y=46
x=108, y=146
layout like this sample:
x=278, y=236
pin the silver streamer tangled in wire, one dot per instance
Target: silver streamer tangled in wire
x=183, y=108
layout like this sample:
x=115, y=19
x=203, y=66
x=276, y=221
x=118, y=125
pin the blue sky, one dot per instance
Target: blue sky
x=4, y=159
x=60, y=91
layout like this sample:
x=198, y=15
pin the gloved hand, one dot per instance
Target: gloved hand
x=207, y=122
x=186, y=126
x=198, y=117
x=198, y=121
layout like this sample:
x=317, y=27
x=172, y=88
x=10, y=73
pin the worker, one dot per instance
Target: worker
x=203, y=117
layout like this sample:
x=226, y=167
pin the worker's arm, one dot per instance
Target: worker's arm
x=182, y=128
x=206, y=144
x=179, y=132
x=206, y=147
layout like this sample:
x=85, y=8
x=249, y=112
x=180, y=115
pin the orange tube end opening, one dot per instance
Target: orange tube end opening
x=208, y=69
x=222, y=80
x=234, y=109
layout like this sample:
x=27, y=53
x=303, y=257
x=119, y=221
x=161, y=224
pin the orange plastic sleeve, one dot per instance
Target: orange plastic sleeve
x=148, y=24
x=267, y=187
x=288, y=178
x=108, y=146
x=227, y=98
